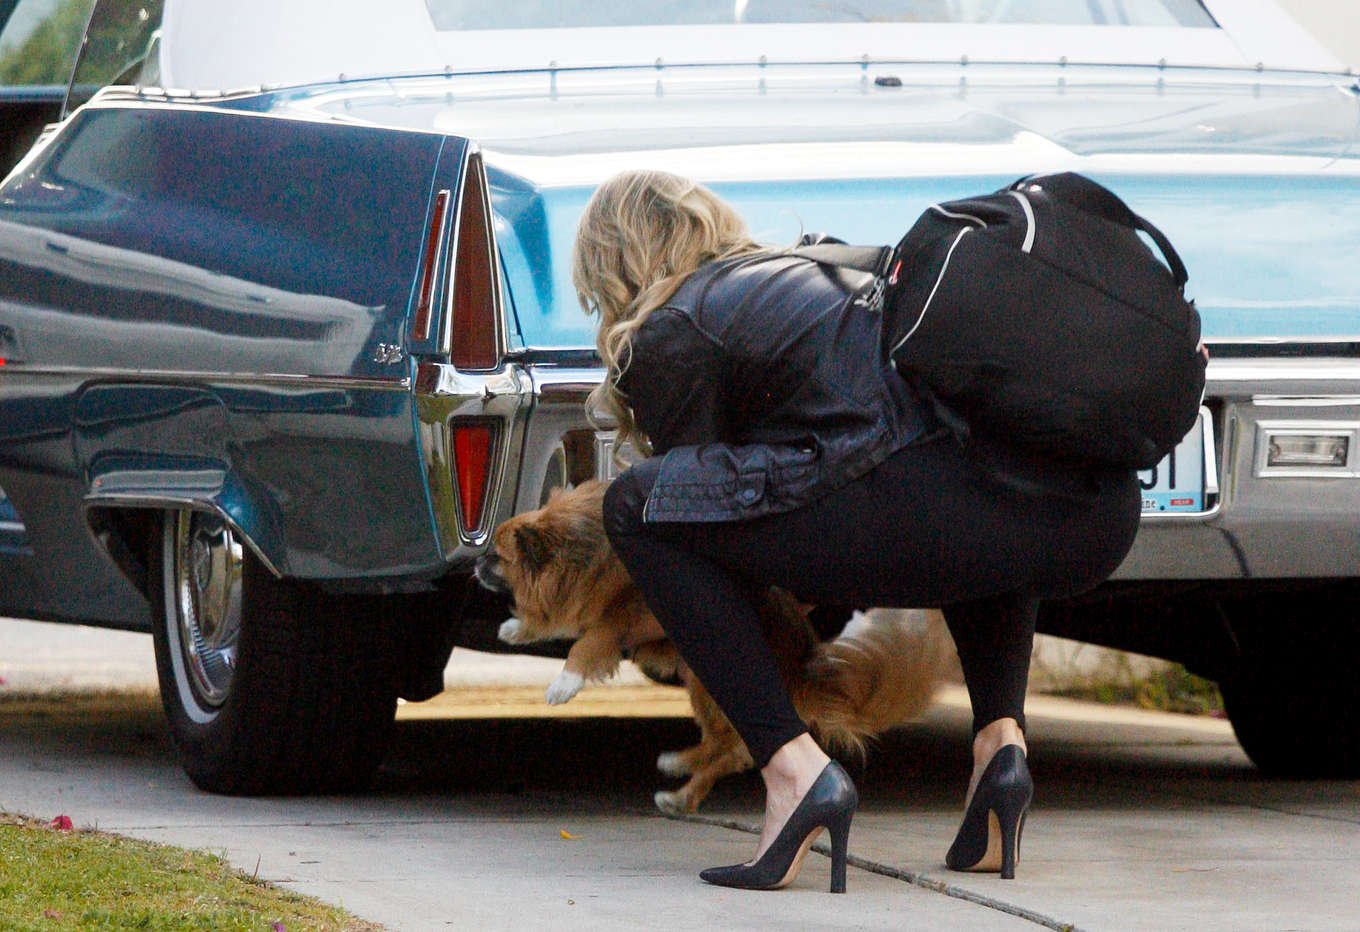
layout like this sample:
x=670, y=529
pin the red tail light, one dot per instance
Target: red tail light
x=472, y=469
x=475, y=276
x=430, y=265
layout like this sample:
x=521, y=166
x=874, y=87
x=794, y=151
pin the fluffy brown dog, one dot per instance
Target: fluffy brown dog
x=567, y=583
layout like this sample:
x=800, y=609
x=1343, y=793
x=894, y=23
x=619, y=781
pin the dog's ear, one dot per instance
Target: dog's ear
x=535, y=547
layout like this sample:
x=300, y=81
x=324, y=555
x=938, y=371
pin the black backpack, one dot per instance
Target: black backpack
x=1038, y=315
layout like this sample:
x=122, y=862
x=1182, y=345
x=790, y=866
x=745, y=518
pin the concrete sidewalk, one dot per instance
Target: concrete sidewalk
x=1150, y=821
x=1141, y=820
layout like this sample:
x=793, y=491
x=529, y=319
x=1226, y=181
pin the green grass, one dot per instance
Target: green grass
x=1173, y=689
x=52, y=880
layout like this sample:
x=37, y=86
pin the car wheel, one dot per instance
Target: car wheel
x=268, y=684
x=1293, y=697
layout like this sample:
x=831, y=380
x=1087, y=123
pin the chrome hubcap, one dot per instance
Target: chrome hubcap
x=207, y=559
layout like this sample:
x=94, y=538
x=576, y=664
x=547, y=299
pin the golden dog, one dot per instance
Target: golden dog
x=566, y=582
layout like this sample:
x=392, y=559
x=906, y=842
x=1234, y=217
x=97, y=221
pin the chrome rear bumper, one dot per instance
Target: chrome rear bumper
x=1264, y=523
x=1268, y=522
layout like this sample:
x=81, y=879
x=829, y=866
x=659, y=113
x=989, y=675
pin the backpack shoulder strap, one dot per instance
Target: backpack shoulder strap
x=1083, y=193
x=861, y=270
x=871, y=259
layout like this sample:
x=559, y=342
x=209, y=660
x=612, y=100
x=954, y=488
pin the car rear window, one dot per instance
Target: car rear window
x=459, y=15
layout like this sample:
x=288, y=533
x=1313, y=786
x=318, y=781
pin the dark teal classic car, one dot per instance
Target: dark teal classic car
x=286, y=326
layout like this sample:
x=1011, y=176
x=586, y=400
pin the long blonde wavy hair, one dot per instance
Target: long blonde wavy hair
x=642, y=233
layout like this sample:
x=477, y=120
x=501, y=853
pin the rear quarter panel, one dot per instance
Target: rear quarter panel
x=201, y=306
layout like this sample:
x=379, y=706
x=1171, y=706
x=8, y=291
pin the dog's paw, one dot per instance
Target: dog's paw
x=512, y=631
x=672, y=764
x=671, y=803
x=564, y=687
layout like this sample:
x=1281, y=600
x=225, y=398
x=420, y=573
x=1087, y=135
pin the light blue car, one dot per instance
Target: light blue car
x=286, y=326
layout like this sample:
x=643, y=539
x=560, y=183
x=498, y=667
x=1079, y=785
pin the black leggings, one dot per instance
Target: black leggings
x=926, y=528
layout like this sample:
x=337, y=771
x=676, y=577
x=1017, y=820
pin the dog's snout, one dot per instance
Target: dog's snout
x=487, y=572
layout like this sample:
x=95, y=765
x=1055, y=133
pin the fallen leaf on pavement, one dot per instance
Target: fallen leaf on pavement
x=567, y=834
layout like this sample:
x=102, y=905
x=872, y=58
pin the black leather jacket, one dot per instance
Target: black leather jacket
x=764, y=384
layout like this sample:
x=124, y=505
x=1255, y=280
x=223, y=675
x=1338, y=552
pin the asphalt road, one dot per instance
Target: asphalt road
x=487, y=817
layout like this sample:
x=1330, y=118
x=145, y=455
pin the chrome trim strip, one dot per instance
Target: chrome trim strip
x=1219, y=370
x=133, y=481
x=1185, y=517
x=115, y=95
x=254, y=378
x=1291, y=340
x=564, y=385
x=1327, y=369
x=438, y=378
x=443, y=336
x=549, y=350
x=1304, y=401
x=118, y=500
x=1210, y=455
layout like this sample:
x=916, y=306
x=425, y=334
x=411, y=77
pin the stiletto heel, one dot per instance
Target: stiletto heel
x=989, y=838
x=840, y=851
x=1010, y=844
x=829, y=804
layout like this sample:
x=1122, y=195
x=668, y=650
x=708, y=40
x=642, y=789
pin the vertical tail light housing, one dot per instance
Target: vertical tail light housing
x=429, y=268
x=458, y=319
x=473, y=463
x=475, y=287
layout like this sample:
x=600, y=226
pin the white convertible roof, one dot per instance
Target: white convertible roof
x=215, y=46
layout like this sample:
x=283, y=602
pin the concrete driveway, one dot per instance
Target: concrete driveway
x=1142, y=820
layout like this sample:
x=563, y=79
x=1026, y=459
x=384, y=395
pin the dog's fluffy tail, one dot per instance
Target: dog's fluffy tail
x=883, y=670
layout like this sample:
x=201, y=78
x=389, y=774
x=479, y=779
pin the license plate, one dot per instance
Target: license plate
x=1187, y=479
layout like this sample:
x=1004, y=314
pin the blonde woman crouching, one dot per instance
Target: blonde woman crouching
x=784, y=449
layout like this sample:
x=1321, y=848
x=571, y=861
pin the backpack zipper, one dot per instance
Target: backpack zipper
x=1028, y=244
x=925, y=307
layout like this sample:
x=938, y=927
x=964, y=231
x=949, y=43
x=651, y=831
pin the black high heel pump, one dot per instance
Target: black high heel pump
x=829, y=804
x=996, y=817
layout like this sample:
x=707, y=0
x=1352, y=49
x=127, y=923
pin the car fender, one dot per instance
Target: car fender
x=166, y=447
